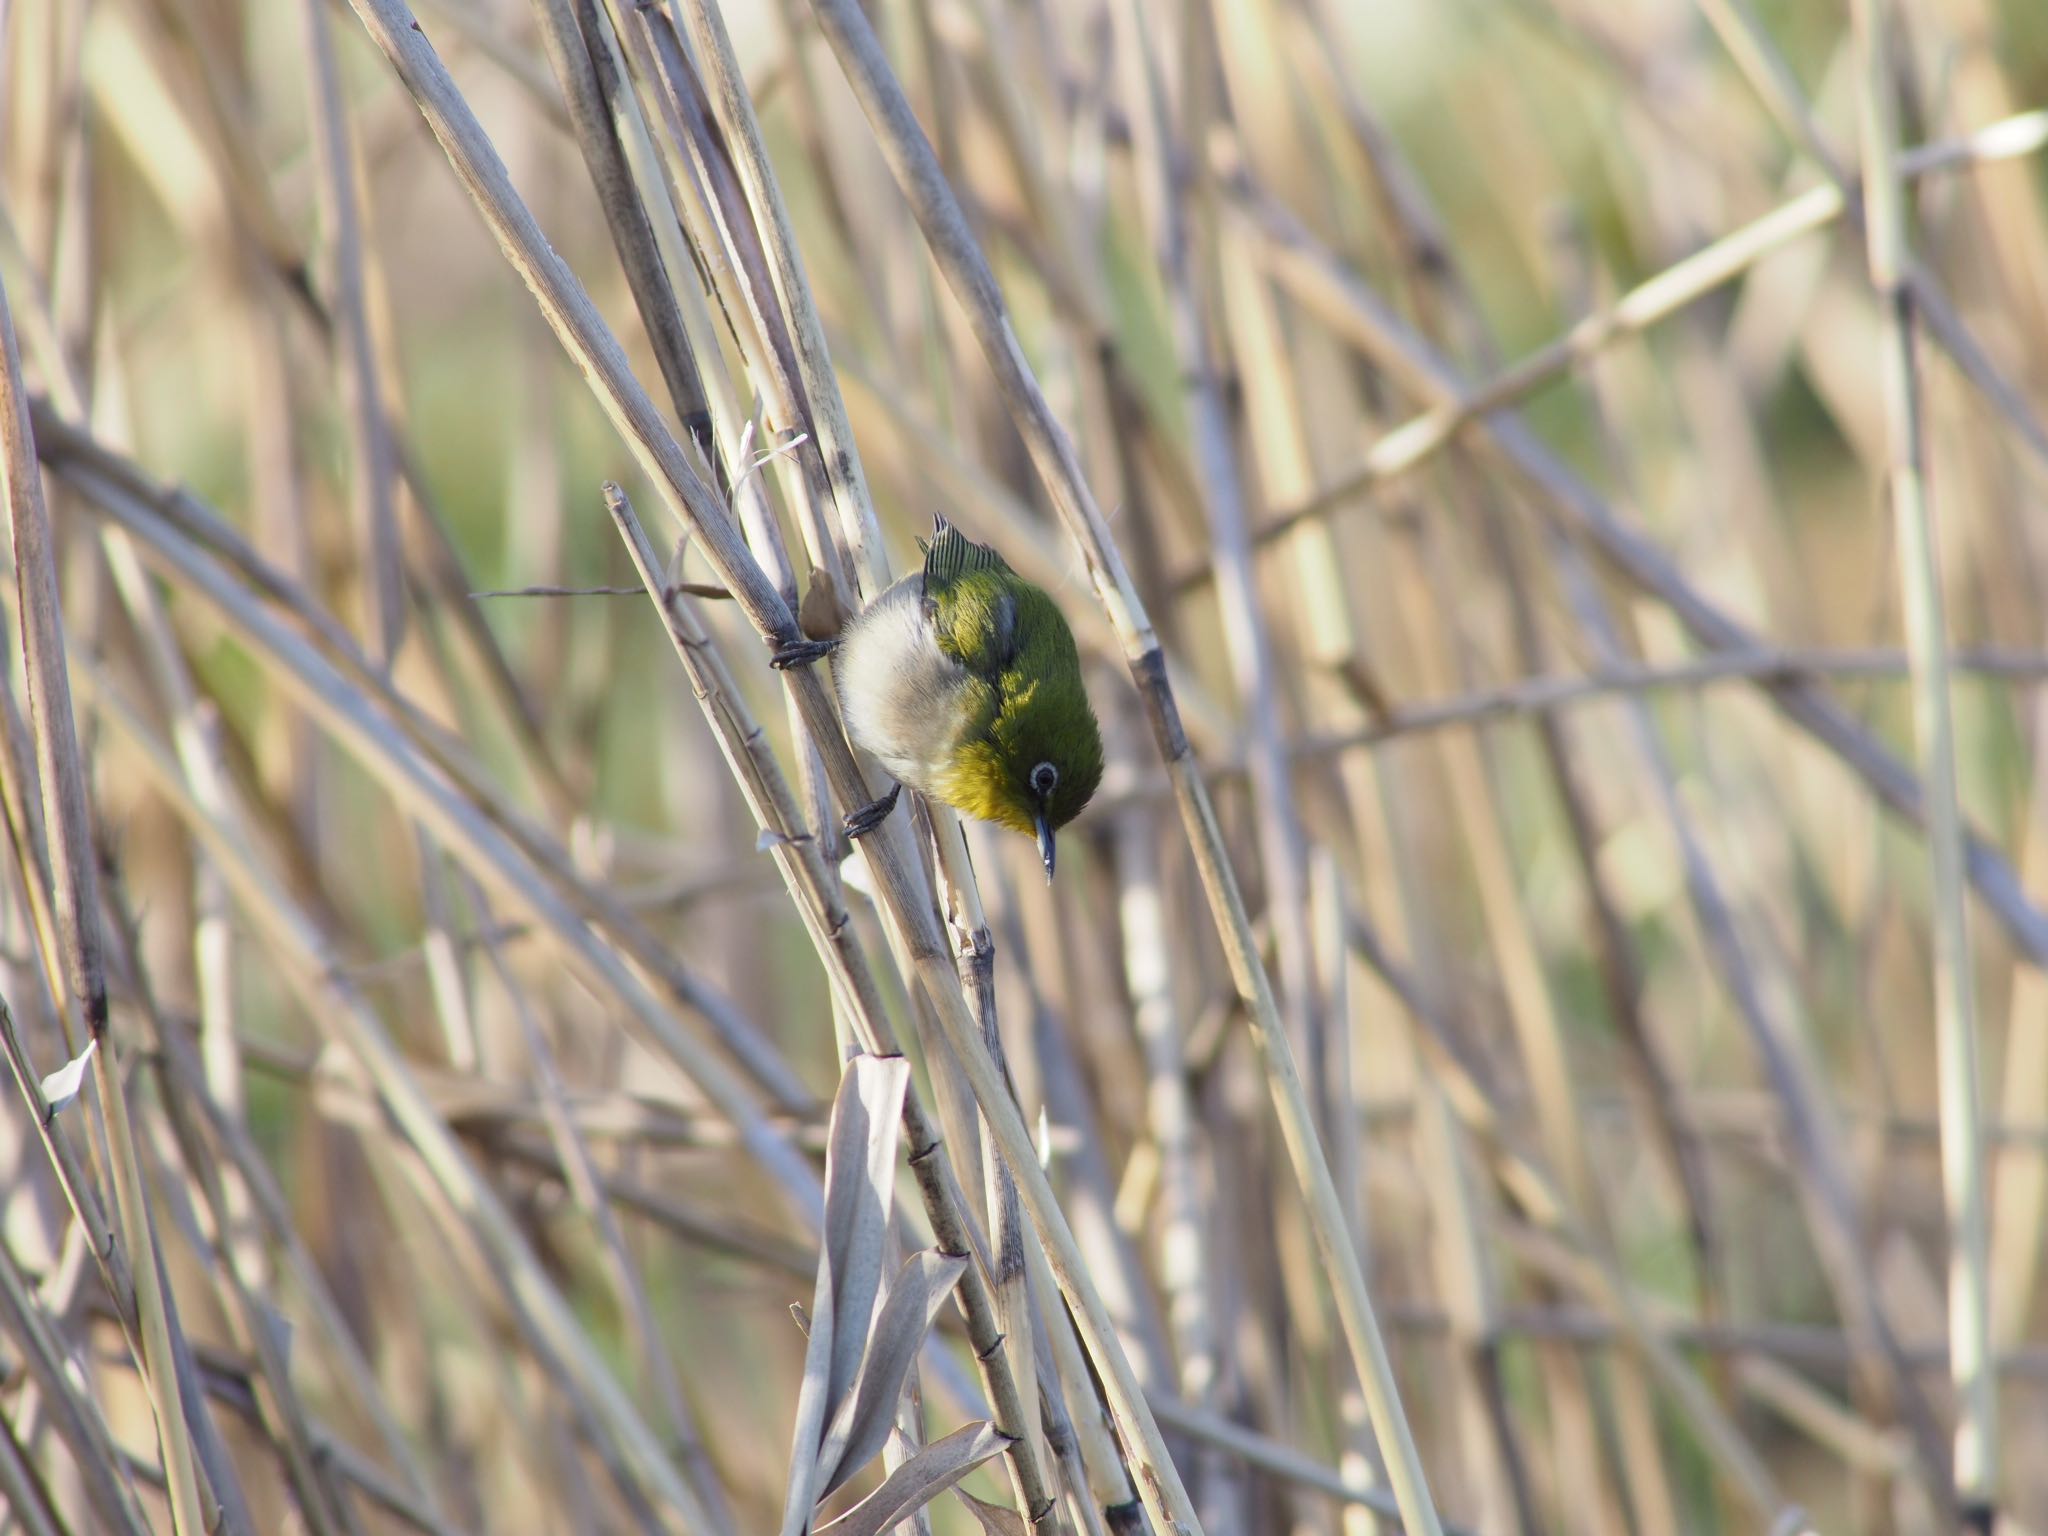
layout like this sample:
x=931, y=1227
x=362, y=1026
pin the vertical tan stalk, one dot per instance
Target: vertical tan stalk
x=67, y=1411
x=1955, y=1018
x=974, y=952
x=61, y=773
x=372, y=476
x=1825, y=1183
x=584, y=64
x=859, y=537
x=859, y=533
x=709, y=199
x=372, y=468
x=626, y=402
x=1186, y=1268
x=1327, y=288
x=1158, y=142
x=464, y=828
x=2019, y=1207
x=249, y=1319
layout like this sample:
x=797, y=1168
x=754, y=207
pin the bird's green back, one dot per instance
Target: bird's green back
x=1029, y=705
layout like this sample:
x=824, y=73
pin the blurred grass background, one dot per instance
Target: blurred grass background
x=1620, y=1004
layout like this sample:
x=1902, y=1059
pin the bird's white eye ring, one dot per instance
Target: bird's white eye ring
x=1044, y=779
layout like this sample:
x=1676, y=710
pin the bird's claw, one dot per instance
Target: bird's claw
x=800, y=653
x=870, y=816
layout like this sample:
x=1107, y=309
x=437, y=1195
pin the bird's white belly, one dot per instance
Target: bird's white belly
x=899, y=693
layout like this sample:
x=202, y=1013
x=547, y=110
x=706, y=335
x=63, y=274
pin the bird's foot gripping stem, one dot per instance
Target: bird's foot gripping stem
x=800, y=653
x=870, y=816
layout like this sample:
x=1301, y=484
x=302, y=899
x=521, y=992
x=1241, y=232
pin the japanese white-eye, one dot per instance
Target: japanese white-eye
x=962, y=679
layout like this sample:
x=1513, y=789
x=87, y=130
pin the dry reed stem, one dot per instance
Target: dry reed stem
x=372, y=471
x=1535, y=1190
x=974, y=956
x=1270, y=1456
x=1975, y=1465
x=69, y=1411
x=1405, y=447
x=137, y=1283
x=1365, y=320
x=1617, y=676
x=164, y=520
x=590, y=85
x=713, y=202
x=256, y=1328
x=273, y=1213
x=1770, y=75
x=488, y=1235
x=28, y=1499
x=858, y=535
x=580, y=1172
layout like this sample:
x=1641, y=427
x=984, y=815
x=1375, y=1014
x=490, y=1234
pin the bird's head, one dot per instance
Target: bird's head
x=1035, y=766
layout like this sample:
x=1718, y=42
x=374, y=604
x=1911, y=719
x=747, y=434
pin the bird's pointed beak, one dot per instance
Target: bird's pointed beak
x=1045, y=849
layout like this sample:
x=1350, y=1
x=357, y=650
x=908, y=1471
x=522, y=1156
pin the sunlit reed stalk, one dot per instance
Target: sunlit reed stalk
x=427, y=1129
x=1174, y=234
x=857, y=533
x=1401, y=449
x=250, y=1323
x=226, y=1190
x=591, y=85
x=796, y=333
x=372, y=474
x=974, y=954
x=580, y=1171
x=1975, y=1465
x=137, y=1281
x=70, y=1413
x=1766, y=69
x=1370, y=325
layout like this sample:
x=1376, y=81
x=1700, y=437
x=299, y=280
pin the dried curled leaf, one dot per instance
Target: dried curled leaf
x=860, y=1182
x=919, y=1480
x=861, y=1426
x=993, y=1518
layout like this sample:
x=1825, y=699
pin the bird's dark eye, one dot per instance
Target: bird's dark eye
x=1044, y=780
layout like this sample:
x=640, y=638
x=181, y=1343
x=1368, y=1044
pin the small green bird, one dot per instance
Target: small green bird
x=963, y=681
